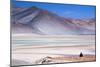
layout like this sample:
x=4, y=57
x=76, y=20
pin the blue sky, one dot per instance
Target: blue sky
x=64, y=10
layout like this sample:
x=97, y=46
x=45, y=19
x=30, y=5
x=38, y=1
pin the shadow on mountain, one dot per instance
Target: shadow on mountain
x=34, y=20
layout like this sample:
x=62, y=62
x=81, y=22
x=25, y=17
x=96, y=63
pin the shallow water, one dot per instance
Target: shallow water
x=72, y=40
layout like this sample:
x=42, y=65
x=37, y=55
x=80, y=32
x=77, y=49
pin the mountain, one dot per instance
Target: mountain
x=34, y=20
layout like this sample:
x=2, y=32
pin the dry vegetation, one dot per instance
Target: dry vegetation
x=75, y=58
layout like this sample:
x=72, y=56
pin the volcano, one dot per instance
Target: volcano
x=34, y=20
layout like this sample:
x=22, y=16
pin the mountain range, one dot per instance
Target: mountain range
x=38, y=21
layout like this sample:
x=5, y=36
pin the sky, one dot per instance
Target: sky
x=63, y=10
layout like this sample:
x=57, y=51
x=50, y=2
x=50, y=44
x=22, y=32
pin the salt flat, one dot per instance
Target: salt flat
x=54, y=49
